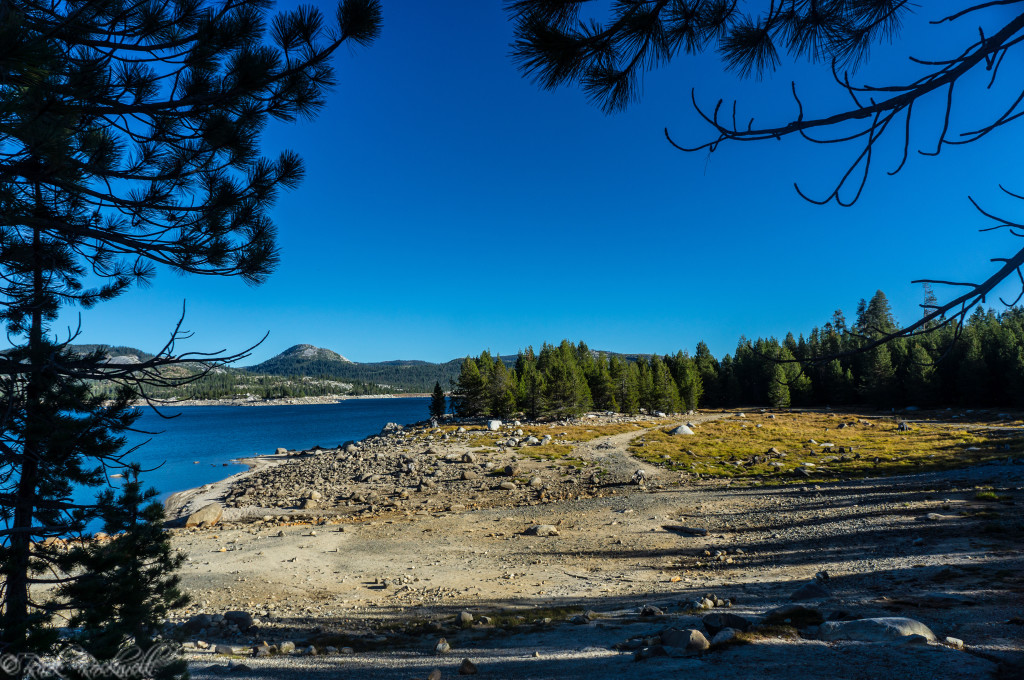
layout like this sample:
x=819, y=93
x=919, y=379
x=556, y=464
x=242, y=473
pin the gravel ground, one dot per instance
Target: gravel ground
x=388, y=581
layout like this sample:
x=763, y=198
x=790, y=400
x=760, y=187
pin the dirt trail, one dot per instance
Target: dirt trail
x=611, y=453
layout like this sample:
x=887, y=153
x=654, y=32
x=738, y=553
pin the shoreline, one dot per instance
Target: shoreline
x=285, y=401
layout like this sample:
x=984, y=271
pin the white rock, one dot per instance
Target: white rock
x=874, y=630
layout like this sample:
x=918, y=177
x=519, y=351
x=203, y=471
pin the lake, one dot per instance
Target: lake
x=195, y=447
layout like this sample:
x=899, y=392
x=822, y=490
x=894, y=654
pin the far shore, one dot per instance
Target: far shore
x=286, y=401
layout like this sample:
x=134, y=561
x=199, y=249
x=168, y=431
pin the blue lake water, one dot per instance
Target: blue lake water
x=192, y=449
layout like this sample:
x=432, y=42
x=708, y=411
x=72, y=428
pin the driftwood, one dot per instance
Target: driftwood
x=686, y=531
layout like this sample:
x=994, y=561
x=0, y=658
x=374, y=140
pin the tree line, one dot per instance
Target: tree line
x=978, y=364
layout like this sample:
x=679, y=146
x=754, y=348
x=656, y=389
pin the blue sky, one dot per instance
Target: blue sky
x=450, y=206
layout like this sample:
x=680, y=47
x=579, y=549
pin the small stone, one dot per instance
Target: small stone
x=723, y=637
x=442, y=647
x=542, y=530
x=470, y=475
x=435, y=674
x=287, y=647
x=465, y=618
x=651, y=610
x=536, y=482
x=955, y=643
x=507, y=486
x=467, y=667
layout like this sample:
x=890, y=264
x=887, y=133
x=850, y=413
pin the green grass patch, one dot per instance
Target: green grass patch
x=863, y=447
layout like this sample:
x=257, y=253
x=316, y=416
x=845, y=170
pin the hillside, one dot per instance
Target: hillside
x=300, y=371
x=324, y=364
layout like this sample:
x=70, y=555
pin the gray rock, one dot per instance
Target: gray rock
x=536, y=482
x=507, y=486
x=874, y=630
x=224, y=649
x=469, y=475
x=532, y=441
x=681, y=429
x=723, y=636
x=542, y=530
x=691, y=641
x=281, y=451
x=442, y=647
x=198, y=622
x=465, y=618
x=955, y=643
x=467, y=667
x=435, y=674
x=718, y=621
x=286, y=647
x=241, y=619
x=207, y=515
x=809, y=591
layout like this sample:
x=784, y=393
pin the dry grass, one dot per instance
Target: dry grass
x=739, y=447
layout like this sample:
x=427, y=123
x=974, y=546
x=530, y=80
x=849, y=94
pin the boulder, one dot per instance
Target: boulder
x=723, y=636
x=493, y=425
x=809, y=591
x=881, y=629
x=198, y=622
x=719, y=621
x=690, y=640
x=208, y=515
x=241, y=619
x=681, y=429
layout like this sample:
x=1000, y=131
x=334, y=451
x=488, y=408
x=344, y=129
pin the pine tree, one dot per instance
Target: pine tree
x=532, y=389
x=778, y=387
x=624, y=380
x=501, y=391
x=134, y=571
x=129, y=139
x=664, y=392
x=469, y=398
x=438, y=406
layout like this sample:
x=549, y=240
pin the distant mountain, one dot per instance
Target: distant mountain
x=302, y=370
x=117, y=354
x=323, y=364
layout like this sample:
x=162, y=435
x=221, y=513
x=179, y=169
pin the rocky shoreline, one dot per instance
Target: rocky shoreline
x=557, y=559
x=284, y=401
